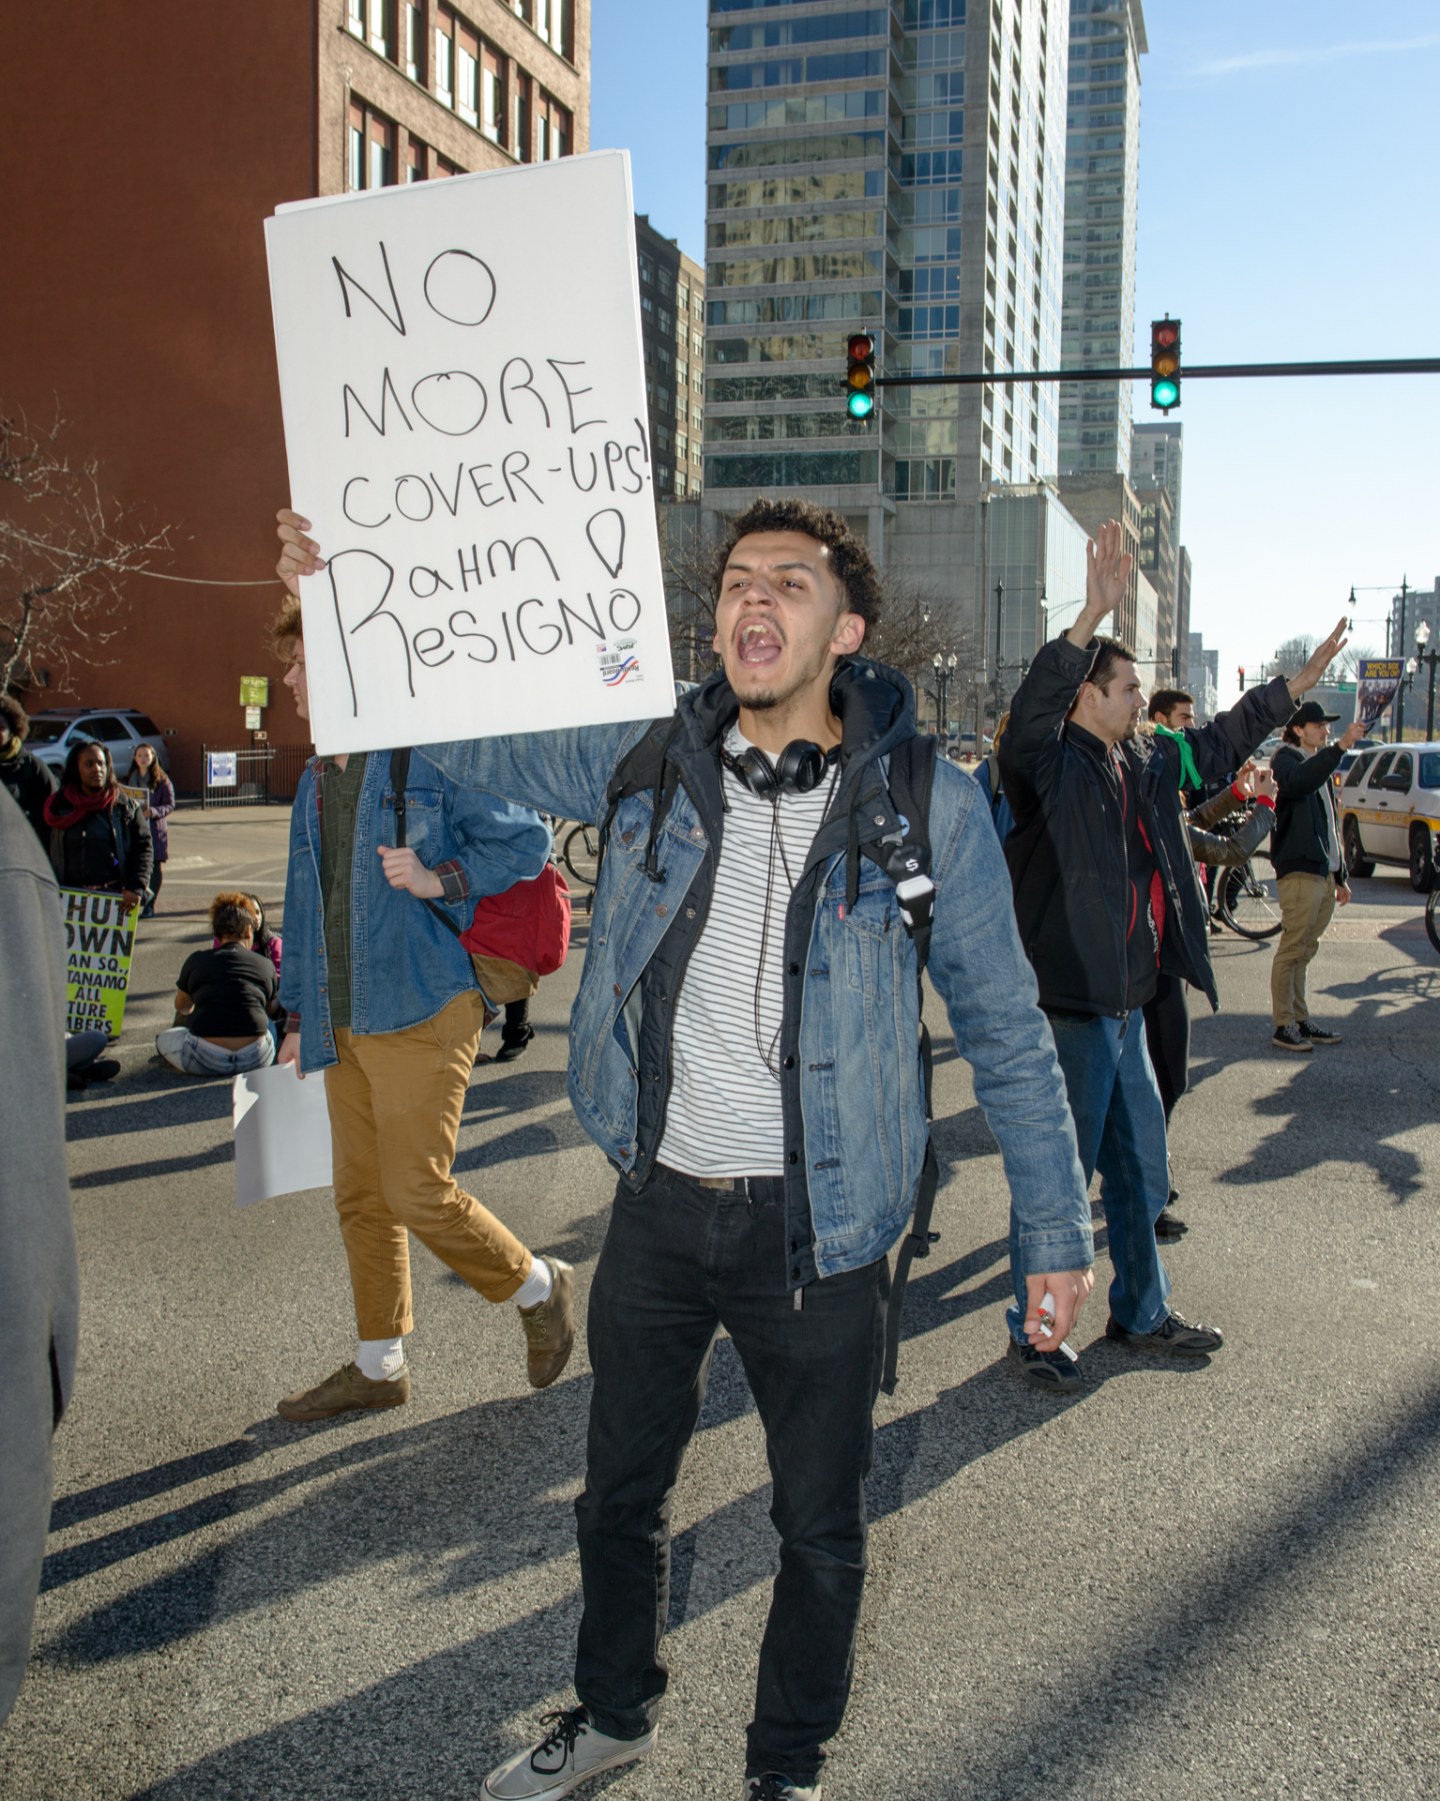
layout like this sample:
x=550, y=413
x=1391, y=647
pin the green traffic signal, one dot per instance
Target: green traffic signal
x=860, y=375
x=1165, y=394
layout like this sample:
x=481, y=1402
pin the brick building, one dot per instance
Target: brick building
x=137, y=296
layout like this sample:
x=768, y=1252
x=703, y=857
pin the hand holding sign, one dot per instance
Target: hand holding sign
x=471, y=444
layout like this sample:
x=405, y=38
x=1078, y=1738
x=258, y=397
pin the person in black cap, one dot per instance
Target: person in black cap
x=1309, y=866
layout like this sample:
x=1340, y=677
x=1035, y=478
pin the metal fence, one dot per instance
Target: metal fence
x=251, y=775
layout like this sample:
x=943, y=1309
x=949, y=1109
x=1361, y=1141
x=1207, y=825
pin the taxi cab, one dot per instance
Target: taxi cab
x=1389, y=808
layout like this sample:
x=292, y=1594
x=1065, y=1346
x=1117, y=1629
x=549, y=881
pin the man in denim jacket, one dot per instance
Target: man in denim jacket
x=380, y=995
x=744, y=1049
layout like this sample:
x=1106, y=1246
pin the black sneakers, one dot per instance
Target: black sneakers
x=1307, y=1028
x=1290, y=1038
x=513, y=1047
x=1051, y=1370
x=1169, y=1227
x=1174, y=1337
x=771, y=1787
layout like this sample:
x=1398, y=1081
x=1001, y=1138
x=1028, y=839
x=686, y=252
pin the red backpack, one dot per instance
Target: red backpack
x=527, y=926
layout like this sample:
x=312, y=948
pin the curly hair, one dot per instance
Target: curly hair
x=17, y=720
x=232, y=916
x=70, y=774
x=850, y=558
x=287, y=628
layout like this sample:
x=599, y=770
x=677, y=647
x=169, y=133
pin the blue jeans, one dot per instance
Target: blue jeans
x=1120, y=1130
x=679, y=1262
x=194, y=1056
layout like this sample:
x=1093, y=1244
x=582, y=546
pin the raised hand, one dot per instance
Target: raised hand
x=1320, y=660
x=1107, y=572
x=300, y=555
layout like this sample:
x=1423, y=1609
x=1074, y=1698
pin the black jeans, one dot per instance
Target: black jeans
x=678, y=1263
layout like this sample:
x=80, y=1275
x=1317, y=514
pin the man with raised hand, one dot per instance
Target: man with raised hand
x=1107, y=897
x=744, y=1048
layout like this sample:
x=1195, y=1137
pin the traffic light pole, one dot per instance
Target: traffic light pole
x=1424, y=365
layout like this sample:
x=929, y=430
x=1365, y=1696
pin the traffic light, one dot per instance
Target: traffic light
x=1165, y=363
x=860, y=376
x=1241, y=673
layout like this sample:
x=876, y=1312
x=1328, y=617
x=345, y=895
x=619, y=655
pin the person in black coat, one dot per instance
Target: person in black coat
x=28, y=779
x=39, y=1285
x=98, y=837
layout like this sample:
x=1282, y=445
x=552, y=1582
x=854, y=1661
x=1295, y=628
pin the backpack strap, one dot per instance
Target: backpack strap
x=912, y=778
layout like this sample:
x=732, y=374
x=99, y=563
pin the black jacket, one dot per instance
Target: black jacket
x=1067, y=852
x=109, y=849
x=1300, y=837
x=31, y=783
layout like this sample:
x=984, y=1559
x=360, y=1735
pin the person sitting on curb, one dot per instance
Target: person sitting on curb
x=1311, y=877
x=390, y=1010
x=225, y=994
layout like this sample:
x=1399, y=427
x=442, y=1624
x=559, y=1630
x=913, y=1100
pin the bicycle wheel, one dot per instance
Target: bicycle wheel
x=1248, y=903
x=580, y=853
x=1432, y=918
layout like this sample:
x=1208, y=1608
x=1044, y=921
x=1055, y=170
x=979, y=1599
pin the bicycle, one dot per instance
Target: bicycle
x=1432, y=917
x=1248, y=903
x=580, y=854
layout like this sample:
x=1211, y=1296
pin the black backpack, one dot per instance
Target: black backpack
x=907, y=862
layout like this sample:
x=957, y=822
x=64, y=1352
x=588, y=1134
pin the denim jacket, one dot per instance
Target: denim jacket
x=404, y=965
x=852, y=1090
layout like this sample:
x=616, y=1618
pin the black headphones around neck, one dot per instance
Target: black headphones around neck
x=799, y=768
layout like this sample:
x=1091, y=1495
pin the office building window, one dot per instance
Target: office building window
x=554, y=129
x=467, y=75
x=370, y=148
x=445, y=57
x=520, y=143
x=355, y=17
x=492, y=97
x=414, y=160
x=414, y=42
x=382, y=38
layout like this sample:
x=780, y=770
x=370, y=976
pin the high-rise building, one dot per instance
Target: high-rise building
x=1157, y=454
x=672, y=327
x=895, y=168
x=1182, y=612
x=1158, y=559
x=1102, y=159
x=146, y=307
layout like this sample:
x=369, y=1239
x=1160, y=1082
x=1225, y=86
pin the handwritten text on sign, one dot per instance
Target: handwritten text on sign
x=99, y=943
x=463, y=388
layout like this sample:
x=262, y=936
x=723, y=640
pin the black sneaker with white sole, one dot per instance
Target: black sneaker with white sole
x=1290, y=1038
x=1307, y=1028
x=1051, y=1370
x=571, y=1752
x=1173, y=1337
x=771, y=1787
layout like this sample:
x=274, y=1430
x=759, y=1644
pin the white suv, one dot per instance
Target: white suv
x=54, y=733
x=1390, y=811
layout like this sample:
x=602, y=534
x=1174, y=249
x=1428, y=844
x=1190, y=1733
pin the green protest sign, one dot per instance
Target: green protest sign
x=99, y=942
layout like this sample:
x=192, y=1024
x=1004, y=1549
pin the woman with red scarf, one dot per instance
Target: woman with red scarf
x=98, y=836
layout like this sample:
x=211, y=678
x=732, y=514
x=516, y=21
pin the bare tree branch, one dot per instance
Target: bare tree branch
x=64, y=549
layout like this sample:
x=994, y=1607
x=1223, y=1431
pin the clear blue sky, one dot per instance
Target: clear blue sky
x=1288, y=211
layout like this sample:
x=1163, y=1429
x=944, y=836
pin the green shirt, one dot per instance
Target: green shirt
x=338, y=799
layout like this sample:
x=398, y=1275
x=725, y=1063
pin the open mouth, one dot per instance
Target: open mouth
x=757, y=644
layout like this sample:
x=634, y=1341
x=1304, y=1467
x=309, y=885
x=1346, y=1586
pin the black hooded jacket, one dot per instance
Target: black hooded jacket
x=1067, y=851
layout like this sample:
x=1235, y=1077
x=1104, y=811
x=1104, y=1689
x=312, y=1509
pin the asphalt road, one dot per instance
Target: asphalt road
x=1189, y=1582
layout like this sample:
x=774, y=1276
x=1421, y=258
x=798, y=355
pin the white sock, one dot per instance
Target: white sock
x=381, y=1359
x=536, y=1286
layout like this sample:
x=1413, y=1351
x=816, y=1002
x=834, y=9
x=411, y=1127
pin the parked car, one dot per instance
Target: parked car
x=119, y=729
x=1390, y=811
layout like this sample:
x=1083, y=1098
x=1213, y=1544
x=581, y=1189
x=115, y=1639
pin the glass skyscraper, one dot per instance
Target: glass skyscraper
x=1097, y=326
x=896, y=168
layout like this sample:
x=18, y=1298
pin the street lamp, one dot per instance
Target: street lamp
x=944, y=668
x=1432, y=657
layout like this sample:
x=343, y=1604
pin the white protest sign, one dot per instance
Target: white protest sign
x=464, y=399
x=282, y=1134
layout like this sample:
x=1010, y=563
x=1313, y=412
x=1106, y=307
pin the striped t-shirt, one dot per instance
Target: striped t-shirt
x=724, y=1117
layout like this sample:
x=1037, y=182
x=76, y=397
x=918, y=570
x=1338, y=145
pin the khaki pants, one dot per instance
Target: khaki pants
x=395, y=1100
x=1306, y=903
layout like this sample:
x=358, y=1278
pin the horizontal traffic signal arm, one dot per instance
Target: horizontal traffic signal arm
x=1423, y=365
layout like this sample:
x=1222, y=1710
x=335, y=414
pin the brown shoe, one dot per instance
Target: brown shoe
x=550, y=1327
x=347, y=1391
